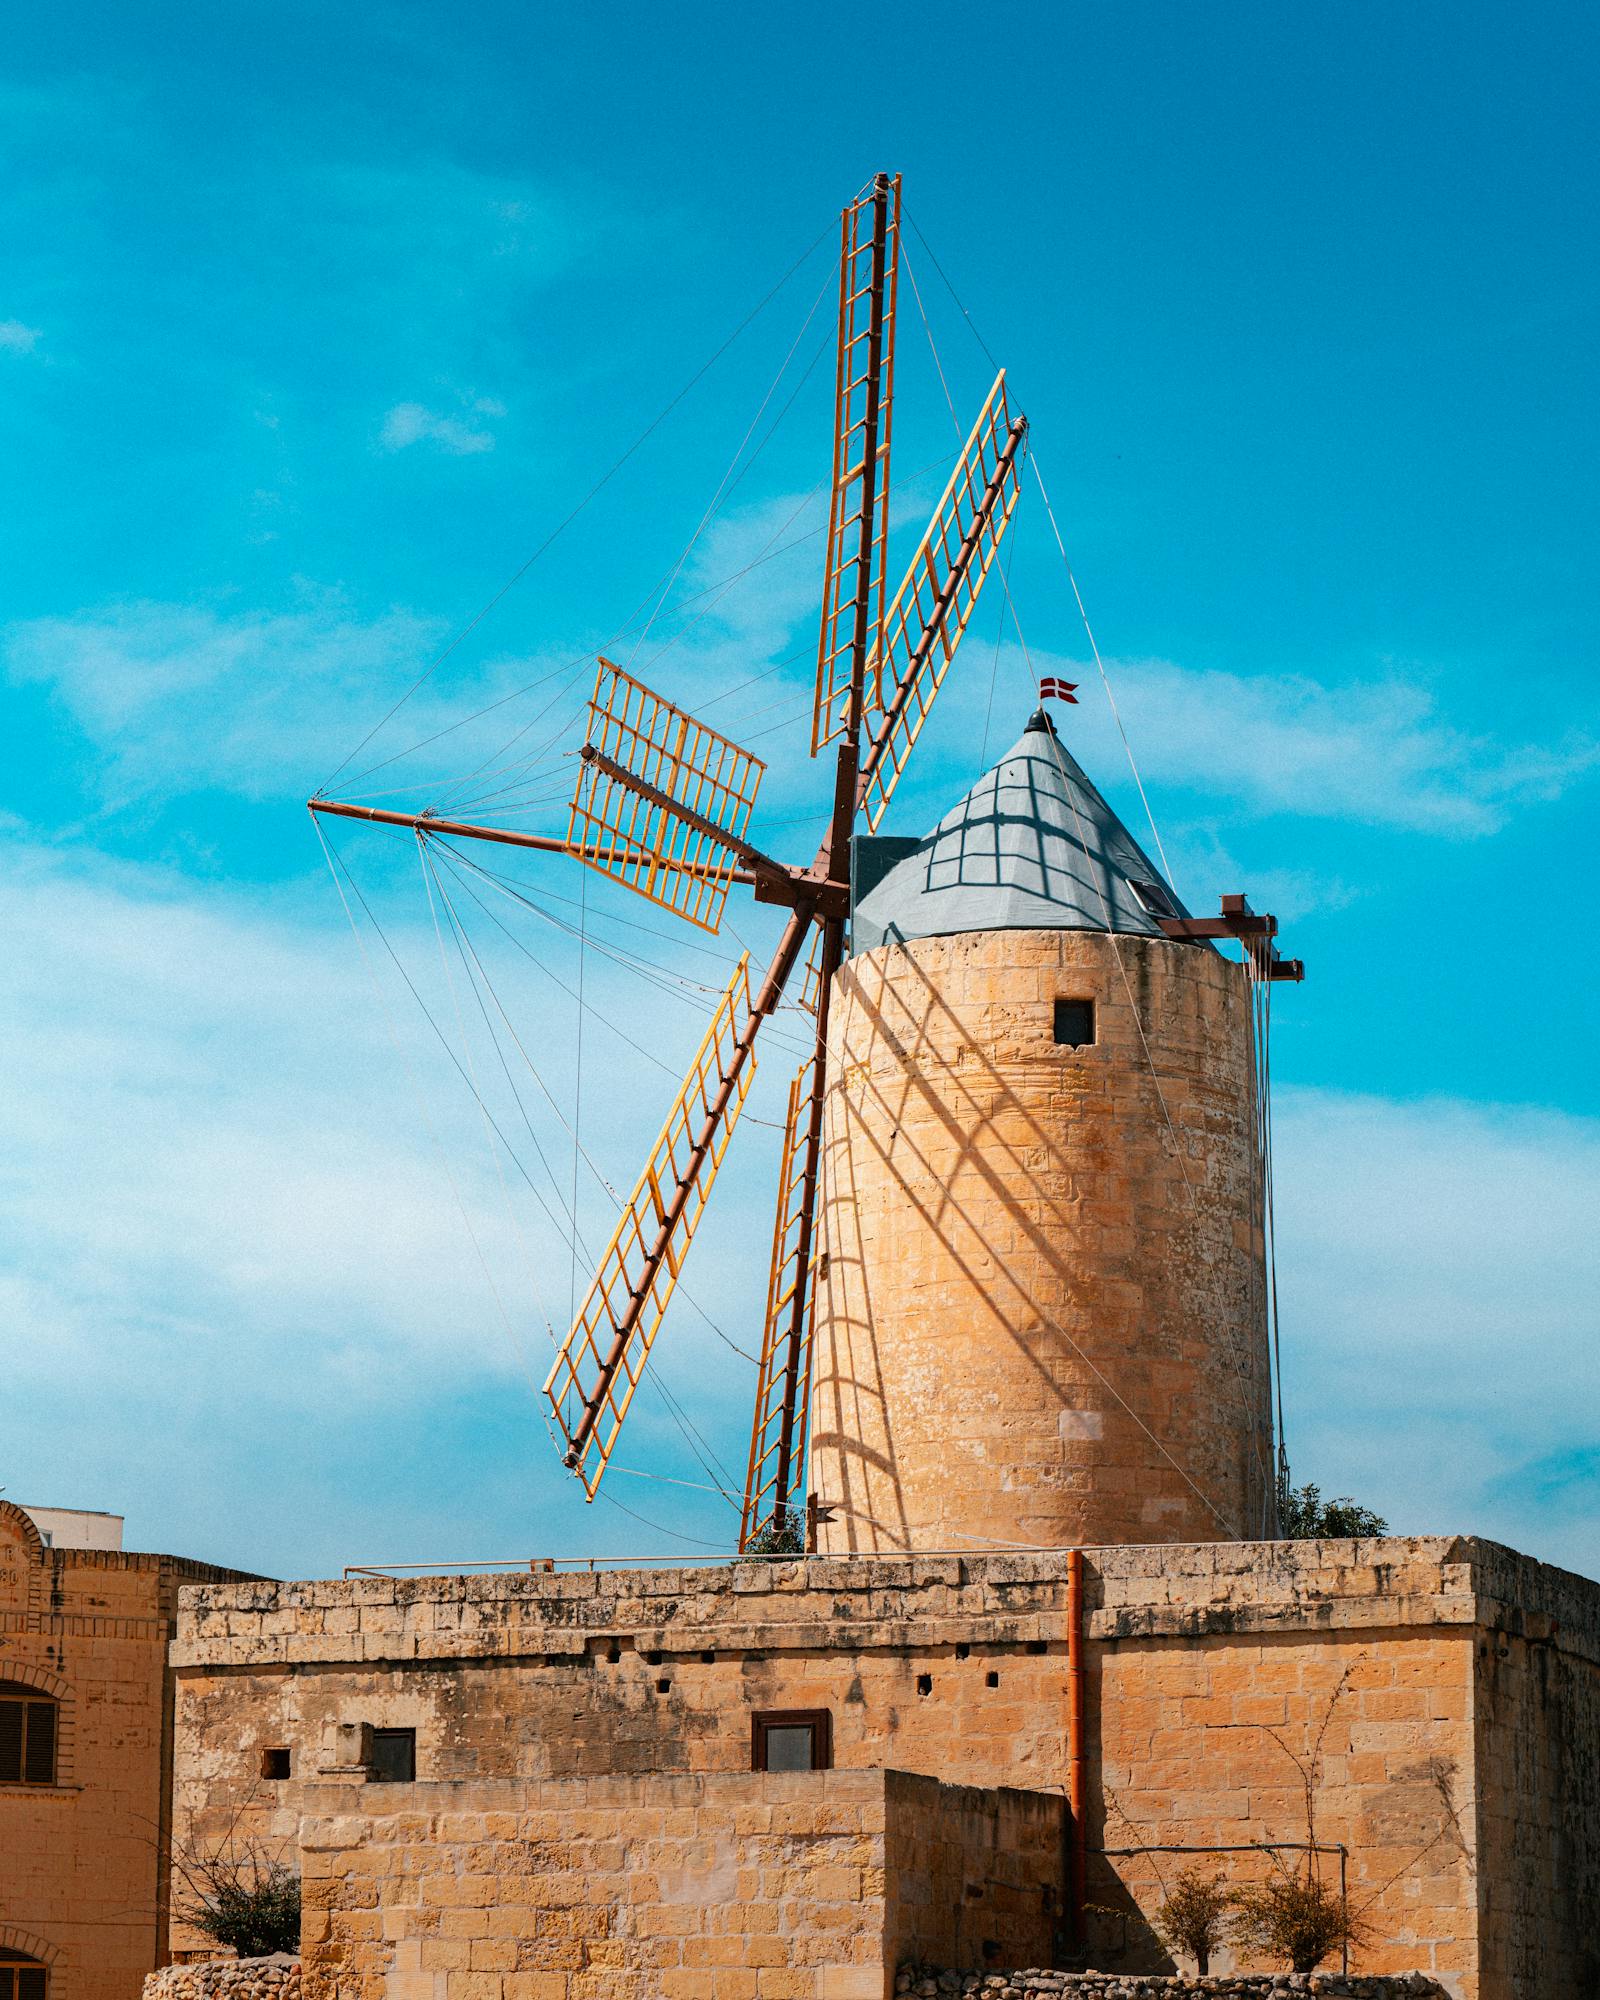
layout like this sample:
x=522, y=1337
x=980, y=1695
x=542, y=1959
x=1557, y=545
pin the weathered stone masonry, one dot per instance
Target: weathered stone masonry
x=1469, y=1675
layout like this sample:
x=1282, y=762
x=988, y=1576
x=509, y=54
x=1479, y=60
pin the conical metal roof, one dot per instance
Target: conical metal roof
x=1033, y=846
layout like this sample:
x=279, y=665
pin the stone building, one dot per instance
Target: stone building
x=85, y=1753
x=1049, y=1648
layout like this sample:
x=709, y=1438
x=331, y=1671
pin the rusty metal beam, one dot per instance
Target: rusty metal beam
x=541, y=843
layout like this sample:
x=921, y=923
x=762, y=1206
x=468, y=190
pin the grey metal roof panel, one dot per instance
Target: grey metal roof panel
x=1033, y=846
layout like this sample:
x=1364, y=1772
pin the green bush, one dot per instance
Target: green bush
x=778, y=1539
x=1306, y=1517
x=256, y=1910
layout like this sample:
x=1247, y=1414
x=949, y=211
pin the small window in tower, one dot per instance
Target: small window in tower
x=793, y=1739
x=1074, y=1023
x=1153, y=899
x=394, y=1756
x=275, y=1764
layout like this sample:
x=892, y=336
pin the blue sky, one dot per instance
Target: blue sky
x=314, y=323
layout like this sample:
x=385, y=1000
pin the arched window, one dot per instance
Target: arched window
x=27, y=1757
x=21, y=1978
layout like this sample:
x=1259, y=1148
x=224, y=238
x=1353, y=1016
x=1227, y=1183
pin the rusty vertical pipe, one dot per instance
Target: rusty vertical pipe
x=1077, y=1850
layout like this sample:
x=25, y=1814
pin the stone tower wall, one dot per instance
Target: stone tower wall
x=1041, y=1319
x=83, y=1877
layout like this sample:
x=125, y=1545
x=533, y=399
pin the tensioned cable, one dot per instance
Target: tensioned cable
x=577, y=1092
x=665, y=1479
x=330, y=855
x=728, y=481
x=444, y=1043
x=681, y=1420
x=466, y=947
x=561, y=527
x=655, y=1527
x=575, y=1235
x=587, y=1158
x=1105, y=679
x=466, y=1048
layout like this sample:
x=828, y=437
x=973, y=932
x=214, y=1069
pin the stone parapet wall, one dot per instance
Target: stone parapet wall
x=274, y=1978
x=925, y=1984
x=842, y=1603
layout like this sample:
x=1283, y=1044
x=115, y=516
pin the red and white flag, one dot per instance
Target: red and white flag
x=1051, y=689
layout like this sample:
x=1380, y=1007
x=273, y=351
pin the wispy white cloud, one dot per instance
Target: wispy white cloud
x=188, y=697
x=15, y=338
x=1377, y=751
x=1439, y=1269
x=241, y=1184
x=414, y=423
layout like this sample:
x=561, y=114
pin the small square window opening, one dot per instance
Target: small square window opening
x=791, y=1740
x=1074, y=1023
x=394, y=1756
x=1153, y=898
x=275, y=1764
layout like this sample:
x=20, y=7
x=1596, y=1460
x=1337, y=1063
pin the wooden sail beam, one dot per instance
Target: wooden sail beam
x=541, y=843
x=661, y=1254
x=863, y=421
x=921, y=677
x=778, y=1433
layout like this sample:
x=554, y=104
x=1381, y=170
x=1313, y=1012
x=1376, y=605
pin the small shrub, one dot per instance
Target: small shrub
x=254, y=1909
x=778, y=1538
x=1193, y=1919
x=1306, y=1517
x=1296, y=1918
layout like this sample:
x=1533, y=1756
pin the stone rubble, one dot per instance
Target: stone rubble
x=927, y=1983
x=274, y=1978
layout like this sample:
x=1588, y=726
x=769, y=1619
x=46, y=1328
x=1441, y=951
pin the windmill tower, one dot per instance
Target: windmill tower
x=924, y=1402
x=1042, y=1321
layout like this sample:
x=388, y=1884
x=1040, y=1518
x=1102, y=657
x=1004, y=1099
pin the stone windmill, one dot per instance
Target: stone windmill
x=939, y=1385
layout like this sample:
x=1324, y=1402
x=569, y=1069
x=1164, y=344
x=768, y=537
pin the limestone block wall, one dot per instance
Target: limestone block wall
x=1210, y=1669
x=1041, y=1317
x=83, y=1883
x=973, y=1878
x=1537, y=1720
x=755, y=1886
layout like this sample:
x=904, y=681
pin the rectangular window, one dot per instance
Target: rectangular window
x=275, y=1764
x=791, y=1739
x=394, y=1756
x=1074, y=1024
x=21, y=1979
x=27, y=1742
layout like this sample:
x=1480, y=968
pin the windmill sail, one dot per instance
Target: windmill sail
x=603, y=1356
x=931, y=608
x=662, y=801
x=778, y=1434
x=858, y=513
